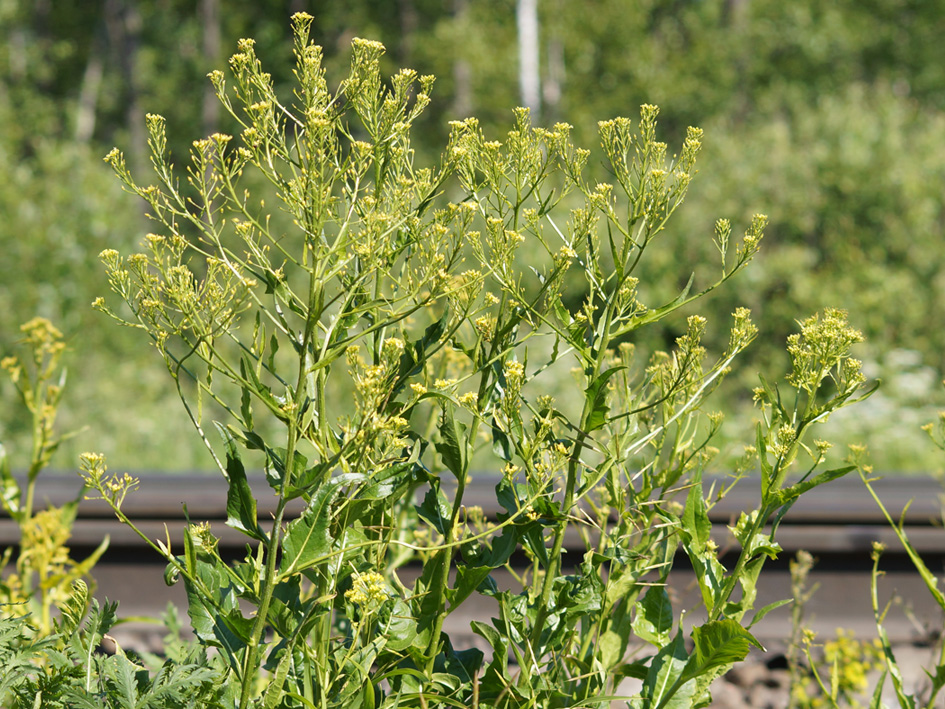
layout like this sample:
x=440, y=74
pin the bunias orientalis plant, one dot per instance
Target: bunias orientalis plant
x=385, y=326
x=44, y=569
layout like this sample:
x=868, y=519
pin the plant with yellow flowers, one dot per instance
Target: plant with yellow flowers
x=44, y=570
x=368, y=331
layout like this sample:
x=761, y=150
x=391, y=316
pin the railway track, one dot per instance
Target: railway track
x=837, y=523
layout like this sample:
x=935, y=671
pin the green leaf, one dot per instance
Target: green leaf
x=876, y=701
x=931, y=582
x=533, y=537
x=596, y=397
x=452, y=443
x=123, y=685
x=285, y=610
x=468, y=579
x=501, y=445
x=273, y=350
x=276, y=471
x=767, y=472
x=695, y=520
x=561, y=313
x=240, y=502
x=100, y=620
x=246, y=399
x=938, y=679
x=414, y=356
x=718, y=643
x=615, y=637
x=767, y=609
x=508, y=495
x=311, y=477
x=759, y=543
x=190, y=550
x=577, y=595
x=503, y=547
x=662, y=687
x=436, y=509
x=906, y=701
x=424, y=601
x=710, y=575
x=308, y=539
x=653, y=621
x=789, y=494
x=216, y=619
x=489, y=634
x=256, y=386
x=249, y=439
x=455, y=668
x=399, y=626
x=73, y=609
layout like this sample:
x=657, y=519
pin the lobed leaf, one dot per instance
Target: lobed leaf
x=308, y=538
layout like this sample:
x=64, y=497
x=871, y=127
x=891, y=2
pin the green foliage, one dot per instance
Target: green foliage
x=392, y=313
x=66, y=668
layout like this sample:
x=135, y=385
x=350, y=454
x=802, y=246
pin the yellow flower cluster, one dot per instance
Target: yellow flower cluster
x=112, y=489
x=368, y=589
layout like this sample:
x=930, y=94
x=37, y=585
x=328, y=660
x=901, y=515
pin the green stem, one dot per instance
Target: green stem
x=442, y=580
x=743, y=559
x=250, y=659
x=554, y=561
x=443, y=576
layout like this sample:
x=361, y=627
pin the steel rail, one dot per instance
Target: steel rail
x=838, y=517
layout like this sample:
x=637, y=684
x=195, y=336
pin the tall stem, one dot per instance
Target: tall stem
x=554, y=561
x=443, y=576
x=442, y=580
x=251, y=658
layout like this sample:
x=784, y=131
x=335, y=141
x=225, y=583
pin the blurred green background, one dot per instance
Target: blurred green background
x=827, y=116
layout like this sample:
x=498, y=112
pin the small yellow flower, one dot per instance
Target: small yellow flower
x=368, y=590
x=394, y=345
x=514, y=370
x=566, y=253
